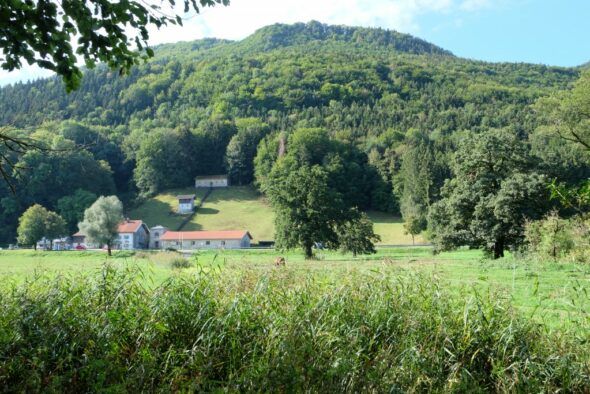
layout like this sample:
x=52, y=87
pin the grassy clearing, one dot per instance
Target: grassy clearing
x=161, y=209
x=235, y=208
x=210, y=332
x=242, y=207
x=391, y=229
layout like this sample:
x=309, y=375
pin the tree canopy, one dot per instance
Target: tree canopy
x=101, y=221
x=114, y=33
x=494, y=190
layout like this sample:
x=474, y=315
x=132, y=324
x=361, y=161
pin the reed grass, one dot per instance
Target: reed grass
x=210, y=332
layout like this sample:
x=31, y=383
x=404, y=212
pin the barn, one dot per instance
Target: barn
x=212, y=181
x=187, y=240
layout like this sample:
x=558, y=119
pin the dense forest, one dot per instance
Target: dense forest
x=384, y=113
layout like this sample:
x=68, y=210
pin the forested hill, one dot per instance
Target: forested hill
x=286, y=68
x=204, y=107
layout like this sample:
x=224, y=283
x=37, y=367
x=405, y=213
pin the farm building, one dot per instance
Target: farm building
x=186, y=203
x=206, y=239
x=156, y=236
x=79, y=241
x=212, y=181
x=133, y=234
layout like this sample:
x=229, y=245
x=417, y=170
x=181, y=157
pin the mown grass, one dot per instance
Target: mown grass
x=236, y=208
x=208, y=331
x=242, y=207
x=391, y=229
x=161, y=209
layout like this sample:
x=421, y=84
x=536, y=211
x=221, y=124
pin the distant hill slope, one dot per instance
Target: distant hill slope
x=242, y=208
x=283, y=68
x=282, y=35
x=232, y=208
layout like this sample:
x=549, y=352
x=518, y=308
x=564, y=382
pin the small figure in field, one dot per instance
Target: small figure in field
x=280, y=261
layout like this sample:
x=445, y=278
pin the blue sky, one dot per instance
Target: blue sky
x=550, y=32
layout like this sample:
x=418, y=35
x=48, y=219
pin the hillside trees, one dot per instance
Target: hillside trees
x=164, y=160
x=72, y=207
x=420, y=178
x=241, y=150
x=494, y=189
x=101, y=221
x=46, y=176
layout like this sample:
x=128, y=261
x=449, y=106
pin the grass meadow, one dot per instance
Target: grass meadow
x=554, y=294
x=402, y=320
x=242, y=207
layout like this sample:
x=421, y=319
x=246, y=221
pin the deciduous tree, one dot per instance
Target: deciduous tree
x=101, y=221
x=31, y=225
x=495, y=189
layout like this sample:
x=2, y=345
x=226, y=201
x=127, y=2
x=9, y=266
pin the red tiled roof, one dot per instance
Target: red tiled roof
x=201, y=235
x=129, y=226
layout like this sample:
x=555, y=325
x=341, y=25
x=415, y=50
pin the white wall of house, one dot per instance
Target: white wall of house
x=186, y=207
x=155, y=234
x=187, y=244
x=212, y=182
x=126, y=241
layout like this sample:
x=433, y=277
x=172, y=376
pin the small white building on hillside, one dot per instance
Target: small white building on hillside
x=186, y=203
x=212, y=181
x=186, y=240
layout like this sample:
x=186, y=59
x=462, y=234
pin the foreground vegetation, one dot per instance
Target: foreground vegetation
x=554, y=294
x=372, y=331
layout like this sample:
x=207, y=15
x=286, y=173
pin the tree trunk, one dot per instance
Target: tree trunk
x=35, y=246
x=308, y=251
x=413, y=243
x=499, y=249
x=109, y=249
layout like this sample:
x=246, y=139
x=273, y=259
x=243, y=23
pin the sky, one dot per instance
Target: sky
x=552, y=32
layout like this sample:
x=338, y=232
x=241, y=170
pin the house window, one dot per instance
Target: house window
x=192, y=242
x=177, y=243
x=156, y=235
x=223, y=243
x=207, y=242
x=126, y=236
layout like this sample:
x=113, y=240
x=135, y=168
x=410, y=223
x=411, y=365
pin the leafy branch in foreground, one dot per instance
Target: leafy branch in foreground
x=116, y=33
x=11, y=147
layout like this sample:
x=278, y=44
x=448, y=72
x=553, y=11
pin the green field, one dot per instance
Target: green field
x=161, y=209
x=235, y=208
x=243, y=208
x=391, y=229
x=552, y=293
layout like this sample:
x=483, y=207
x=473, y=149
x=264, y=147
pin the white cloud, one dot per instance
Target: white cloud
x=243, y=17
x=475, y=5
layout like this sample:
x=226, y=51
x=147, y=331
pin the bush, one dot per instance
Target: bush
x=180, y=262
x=556, y=238
x=371, y=334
